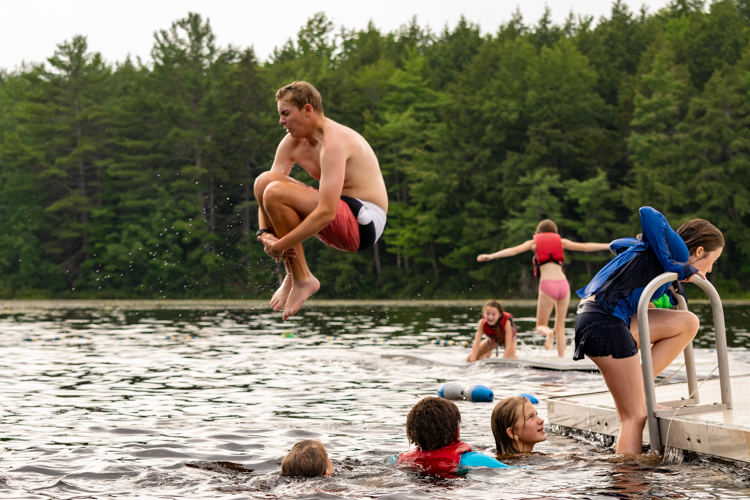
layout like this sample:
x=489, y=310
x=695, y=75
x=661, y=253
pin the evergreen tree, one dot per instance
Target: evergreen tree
x=64, y=127
x=716, y=159
x=595, y=202
x=406, y=139
x=134, y=181
x=654, y=149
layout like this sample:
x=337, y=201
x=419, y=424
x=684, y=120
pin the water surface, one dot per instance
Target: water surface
x=189, y=403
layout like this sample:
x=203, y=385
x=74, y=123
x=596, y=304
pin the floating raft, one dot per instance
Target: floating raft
x=547, y=363
x=541, y=362
x=723, y=433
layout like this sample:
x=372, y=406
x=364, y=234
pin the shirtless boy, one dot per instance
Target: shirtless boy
x=348, y=212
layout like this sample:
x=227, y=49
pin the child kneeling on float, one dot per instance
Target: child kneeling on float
x=500, y=330
x=433, y=426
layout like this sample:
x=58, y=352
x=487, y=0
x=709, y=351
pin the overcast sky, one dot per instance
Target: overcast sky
x=30, y=30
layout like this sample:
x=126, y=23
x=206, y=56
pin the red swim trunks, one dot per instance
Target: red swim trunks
x=343, y=232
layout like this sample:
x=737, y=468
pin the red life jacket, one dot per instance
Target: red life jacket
x=498, y=334
x=548, y=249
x=441, y=462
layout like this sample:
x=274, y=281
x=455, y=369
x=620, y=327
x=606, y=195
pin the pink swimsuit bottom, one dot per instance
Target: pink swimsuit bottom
x=555, y=289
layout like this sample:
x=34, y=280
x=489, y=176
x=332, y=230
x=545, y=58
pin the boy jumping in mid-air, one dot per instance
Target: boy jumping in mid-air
x=348, y=212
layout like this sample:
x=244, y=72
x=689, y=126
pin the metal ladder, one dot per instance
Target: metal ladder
x=692, y=404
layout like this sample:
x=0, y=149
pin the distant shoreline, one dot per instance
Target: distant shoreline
x=10, y=306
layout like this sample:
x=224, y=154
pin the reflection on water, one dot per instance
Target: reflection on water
x=191, y=404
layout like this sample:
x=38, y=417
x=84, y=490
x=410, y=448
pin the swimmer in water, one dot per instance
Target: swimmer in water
x=554, y=290
x=347, y=211
x=500, y=330
x=433, y=425
x=307, y=458
x=516, y=426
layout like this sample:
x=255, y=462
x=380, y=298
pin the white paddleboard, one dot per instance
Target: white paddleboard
x=528, y=358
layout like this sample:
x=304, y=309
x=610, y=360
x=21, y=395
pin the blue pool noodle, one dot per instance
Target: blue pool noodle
x=532, y=399
x=479, y=394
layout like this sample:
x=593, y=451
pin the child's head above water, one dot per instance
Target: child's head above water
x=492, y=311
x=433, y=423
x=307, y=458
x=516, y=426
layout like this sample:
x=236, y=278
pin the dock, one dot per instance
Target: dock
x=723, y=434
x=700, y=419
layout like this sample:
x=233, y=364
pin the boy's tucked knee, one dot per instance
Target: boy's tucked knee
x=274, y=192
x=262, y=181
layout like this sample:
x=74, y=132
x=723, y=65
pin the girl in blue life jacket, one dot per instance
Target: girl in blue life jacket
x=607, y=323
x=500, y=330
x=554, y=290
x=667, y=300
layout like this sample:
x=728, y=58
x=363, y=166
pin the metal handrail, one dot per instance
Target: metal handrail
x=692, y=377
x=647, y=365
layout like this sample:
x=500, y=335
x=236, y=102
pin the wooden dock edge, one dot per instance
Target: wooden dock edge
x=687, y=440
x=672, y=455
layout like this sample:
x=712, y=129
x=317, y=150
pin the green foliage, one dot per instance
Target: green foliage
x=654, y=148
x=135, y=180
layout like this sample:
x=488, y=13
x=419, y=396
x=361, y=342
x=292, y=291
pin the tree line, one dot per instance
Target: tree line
x=134, y=179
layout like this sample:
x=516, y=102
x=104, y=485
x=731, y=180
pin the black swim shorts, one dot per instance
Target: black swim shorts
x=599, y=333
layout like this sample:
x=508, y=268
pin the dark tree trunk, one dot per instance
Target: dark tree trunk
x=211, y=204
x=377, y=263
x=246, y=210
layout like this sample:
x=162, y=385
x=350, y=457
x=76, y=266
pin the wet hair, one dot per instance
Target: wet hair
x=504, y=415
x=299, y=94
x=546, y=226
x=306, y=458
x=432, y=423
x=495, y=304
x=701, y=233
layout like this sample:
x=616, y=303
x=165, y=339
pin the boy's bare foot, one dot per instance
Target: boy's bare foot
x=279, y=298
x=301, y=290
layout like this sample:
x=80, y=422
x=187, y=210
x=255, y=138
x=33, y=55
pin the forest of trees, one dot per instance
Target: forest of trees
x=134, y=180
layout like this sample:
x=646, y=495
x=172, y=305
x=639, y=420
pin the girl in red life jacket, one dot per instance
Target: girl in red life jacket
x=500, y=330
x=554, y=290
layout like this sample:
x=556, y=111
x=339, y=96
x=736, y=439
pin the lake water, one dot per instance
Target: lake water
x=196, y=403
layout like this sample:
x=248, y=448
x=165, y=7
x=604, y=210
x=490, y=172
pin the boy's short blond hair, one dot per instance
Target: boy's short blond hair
x=306, y=458
x=299, y=94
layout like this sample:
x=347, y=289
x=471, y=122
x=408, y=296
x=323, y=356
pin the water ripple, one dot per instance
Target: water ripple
x=186, y=403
